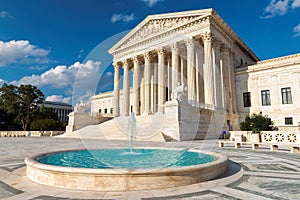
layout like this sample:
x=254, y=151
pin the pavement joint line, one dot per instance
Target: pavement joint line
x=241, y=194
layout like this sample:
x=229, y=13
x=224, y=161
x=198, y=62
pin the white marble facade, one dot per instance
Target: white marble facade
x=199, y=50
x=274, y=88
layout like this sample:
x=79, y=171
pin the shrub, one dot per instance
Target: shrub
x=257, y=123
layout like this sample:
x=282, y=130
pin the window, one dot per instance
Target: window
x=111, y=110
x=288, y=121
x=247, y=99
x=105, y=110
x=100, y=111
x=265, y=97
x=286, y=95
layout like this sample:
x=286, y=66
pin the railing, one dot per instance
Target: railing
x=29, y=133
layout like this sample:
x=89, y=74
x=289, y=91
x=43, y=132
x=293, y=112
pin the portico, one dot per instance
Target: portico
x=194, y=48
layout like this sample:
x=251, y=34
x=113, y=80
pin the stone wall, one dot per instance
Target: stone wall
x=79, y=120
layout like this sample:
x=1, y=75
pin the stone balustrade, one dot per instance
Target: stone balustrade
x=281, y=137
x=273, y=139
x=29, y=133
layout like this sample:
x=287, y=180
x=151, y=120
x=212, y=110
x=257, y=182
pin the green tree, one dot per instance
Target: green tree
x=45, y=119
x=257, y=123
x=29, y=97
x=9, y=99
x=20, y=102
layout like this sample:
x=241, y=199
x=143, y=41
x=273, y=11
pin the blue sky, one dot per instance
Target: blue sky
x=60, y=45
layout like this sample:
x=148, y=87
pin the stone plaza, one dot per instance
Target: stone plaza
x=260, y=174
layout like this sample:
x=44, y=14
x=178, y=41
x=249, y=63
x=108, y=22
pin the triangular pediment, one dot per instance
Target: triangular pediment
x=159, y=24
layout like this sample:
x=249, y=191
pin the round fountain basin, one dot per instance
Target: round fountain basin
x=122, y=170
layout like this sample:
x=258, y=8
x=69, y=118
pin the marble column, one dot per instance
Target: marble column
x=183, y=68
x=199, y=72
x=169, y=69
x=136, y=86
x=147, y=83
x=217, y=76
x=208, y=69
x=142, y=96
x=232, y=78
x=227, y=102
x=116, y=102
x=191, y=75
x=175, y=67
x=126, y=88
x=161, y=85
x=155, y=87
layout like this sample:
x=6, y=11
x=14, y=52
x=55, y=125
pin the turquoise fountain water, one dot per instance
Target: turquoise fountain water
x=126, y=158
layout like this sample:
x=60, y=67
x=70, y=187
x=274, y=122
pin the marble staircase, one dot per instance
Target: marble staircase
x=148, y=128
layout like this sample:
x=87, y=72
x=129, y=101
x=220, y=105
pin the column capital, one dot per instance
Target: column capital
x=224, y=48
x=116, y=66
x=190, y=43
x=125, y=63
x=161, y=51
x=175, y=48
x=217, y=43
x=147, y=56
x=207, y=36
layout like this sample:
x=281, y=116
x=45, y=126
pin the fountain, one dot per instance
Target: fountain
x=131, y=130
x=125, y=169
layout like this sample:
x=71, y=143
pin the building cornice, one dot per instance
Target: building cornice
x=269, y=64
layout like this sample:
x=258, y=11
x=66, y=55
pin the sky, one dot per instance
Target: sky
x=61, y=46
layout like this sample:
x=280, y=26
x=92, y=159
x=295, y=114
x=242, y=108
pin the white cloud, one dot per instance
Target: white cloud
x=151, y=3
x=122, y=17
x=297, y=30
x=1, y=82
x=59, y=98
x=83, y=74
x=21, y=52
x=80, y=53
x=276, y=7
x=109, y=73
x=296, y=4
x=4, y=14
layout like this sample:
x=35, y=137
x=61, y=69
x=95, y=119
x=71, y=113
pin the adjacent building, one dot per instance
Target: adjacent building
x=61, y=109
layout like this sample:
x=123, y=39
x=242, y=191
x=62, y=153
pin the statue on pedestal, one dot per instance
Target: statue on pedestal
x=179, y=93
x=80, y=108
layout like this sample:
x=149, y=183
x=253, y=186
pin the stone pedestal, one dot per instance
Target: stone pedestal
x=79, y=120
x=186, y=122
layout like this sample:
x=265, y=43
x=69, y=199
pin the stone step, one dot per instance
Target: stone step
x=148, y=128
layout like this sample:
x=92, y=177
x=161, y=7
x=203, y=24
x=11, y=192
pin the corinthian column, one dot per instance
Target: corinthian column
x=175, y=67
x=225, y=66
x=218, y=76
x=147, y=75
x=208, y=69
x=136, y=86
x=116, y=100
x=126, y=87
x=191, y=75
x=161, y=85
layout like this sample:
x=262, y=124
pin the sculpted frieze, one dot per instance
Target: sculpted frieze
x=154, y=27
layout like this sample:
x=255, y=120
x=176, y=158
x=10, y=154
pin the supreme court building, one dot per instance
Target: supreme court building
x=196, y=57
